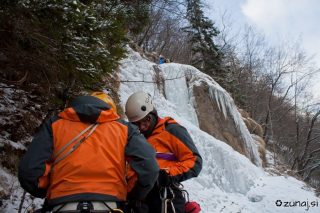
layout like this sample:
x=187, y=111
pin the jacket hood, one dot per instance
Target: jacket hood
x=89, y=109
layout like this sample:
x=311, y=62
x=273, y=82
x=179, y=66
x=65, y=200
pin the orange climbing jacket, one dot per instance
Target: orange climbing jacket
x=96, y=169
x=176, y=151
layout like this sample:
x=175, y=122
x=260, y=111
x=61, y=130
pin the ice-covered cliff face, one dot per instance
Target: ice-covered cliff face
x=175, y=85
x=229, y=181
x=222, y=167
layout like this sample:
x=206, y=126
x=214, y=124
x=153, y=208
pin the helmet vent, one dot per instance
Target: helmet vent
x=143, y=108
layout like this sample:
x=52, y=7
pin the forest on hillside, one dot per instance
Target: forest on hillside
x=53, y=50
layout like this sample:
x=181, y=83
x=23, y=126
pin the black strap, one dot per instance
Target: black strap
x=166, y=123
x=61, y=207
x=108, y=207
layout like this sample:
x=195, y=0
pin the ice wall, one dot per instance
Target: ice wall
x=177, y=92
x=179, y=81
x=223, y=168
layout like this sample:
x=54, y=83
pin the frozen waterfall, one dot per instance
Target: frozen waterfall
x=222, y=168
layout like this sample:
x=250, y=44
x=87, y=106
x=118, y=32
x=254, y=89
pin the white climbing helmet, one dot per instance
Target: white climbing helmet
x=138, y=106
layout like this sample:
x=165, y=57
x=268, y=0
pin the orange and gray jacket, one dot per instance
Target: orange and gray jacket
x=96, y=169
x=176, y=151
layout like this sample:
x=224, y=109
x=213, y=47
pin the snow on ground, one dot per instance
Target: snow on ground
x=10, y=190
x=10, y=187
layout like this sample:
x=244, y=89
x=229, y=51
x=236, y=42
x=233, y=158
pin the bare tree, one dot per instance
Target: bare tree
x=282, y=62
x=163, y=35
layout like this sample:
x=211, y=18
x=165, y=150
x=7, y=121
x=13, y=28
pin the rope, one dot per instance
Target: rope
x=156, y=80
x=75, y=146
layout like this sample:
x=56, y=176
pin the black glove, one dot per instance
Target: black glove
x=164, y=179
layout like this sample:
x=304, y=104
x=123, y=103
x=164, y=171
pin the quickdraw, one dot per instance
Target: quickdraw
x=165, y=201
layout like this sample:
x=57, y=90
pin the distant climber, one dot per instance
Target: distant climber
x=162, y=60
x=177, y=155
x=77, y=161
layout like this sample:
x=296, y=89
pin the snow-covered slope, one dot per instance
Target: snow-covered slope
x=228, y=182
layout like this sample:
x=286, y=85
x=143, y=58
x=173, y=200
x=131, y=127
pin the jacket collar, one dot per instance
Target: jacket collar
x=161, y=126
x=89, y=109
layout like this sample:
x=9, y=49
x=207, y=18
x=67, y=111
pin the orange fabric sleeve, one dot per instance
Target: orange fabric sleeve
x=45, y=179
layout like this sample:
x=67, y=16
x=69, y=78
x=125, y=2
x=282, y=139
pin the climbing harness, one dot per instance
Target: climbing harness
x=87, y=207
x=113, y=210
x=165, y=201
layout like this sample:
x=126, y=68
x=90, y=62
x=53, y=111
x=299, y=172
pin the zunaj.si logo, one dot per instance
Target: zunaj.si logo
x=305, y=204
x=278, y=202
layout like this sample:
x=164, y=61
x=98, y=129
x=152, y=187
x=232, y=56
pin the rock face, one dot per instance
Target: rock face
x=256, y=131
x=213, y=121
x=252, y=125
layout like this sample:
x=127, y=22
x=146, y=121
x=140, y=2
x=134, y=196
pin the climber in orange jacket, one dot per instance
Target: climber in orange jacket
x=77, y=161
x=177, y=155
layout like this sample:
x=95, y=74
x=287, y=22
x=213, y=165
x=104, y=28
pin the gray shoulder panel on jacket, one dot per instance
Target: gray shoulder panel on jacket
x=182, y=134
x=142, y=161
x=32, y=166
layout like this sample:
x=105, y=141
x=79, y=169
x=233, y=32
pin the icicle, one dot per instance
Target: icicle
x=226, y=105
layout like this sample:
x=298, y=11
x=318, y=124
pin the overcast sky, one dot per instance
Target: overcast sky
x=279, y=18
